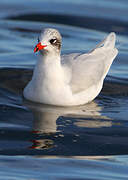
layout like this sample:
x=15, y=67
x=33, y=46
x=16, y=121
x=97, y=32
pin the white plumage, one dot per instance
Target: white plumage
x=72, y=79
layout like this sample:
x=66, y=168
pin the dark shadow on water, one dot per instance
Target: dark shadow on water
x=96, y=23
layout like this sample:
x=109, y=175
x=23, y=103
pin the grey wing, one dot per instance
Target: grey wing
x=91, y=68
x=86, y=73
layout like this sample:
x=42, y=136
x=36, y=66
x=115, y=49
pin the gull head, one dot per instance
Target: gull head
x=48, y=41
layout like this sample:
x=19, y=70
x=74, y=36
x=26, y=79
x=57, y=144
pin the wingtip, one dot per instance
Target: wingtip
x=110, y=40
x=112, y=35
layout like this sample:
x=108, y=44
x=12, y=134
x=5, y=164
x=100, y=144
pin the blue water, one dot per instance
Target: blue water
x=49, y=142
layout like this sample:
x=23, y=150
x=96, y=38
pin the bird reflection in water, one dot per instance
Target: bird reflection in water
x=44, y=124
x=50, y=122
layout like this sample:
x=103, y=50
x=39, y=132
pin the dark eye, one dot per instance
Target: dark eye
x=53, y=41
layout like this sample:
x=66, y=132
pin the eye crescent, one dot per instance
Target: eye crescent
x=52, y=41
x=55, y=40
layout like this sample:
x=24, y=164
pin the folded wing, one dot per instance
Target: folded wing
x=91, y=68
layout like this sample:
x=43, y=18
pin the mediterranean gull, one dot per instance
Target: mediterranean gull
x=72, y=79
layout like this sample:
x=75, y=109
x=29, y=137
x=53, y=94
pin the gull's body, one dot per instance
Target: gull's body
x=69, y=80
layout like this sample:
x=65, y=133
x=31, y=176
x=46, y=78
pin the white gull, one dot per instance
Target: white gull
x=68, y=80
